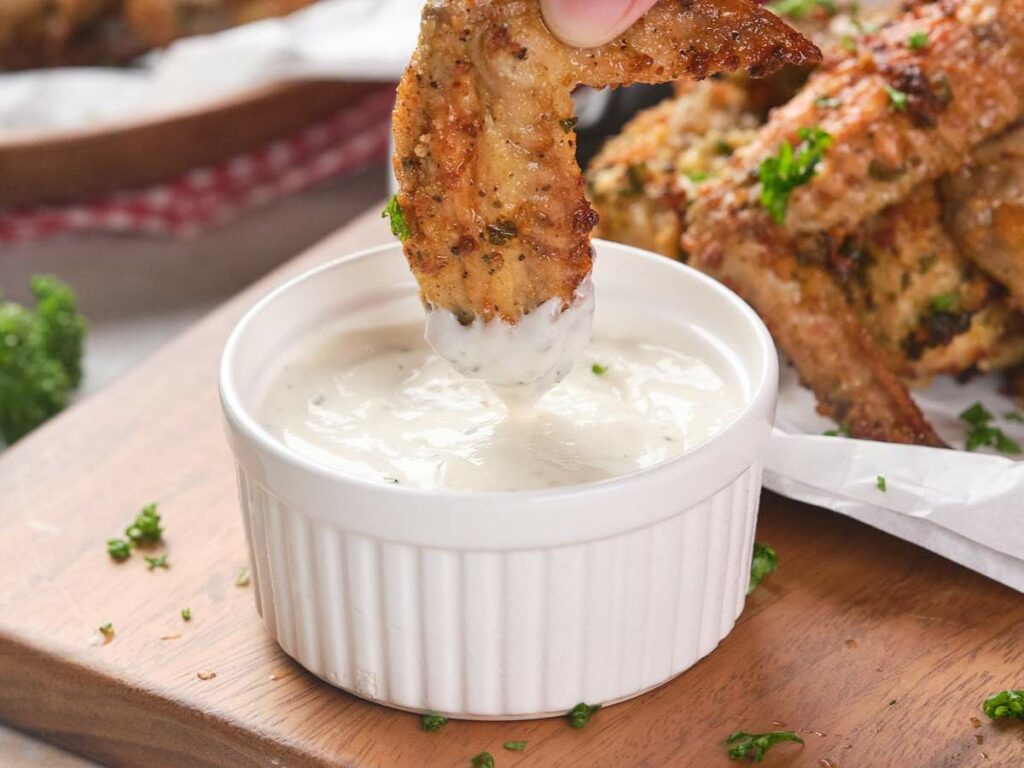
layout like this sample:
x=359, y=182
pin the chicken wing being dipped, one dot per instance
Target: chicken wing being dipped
x=894, y=116
x=498, y=227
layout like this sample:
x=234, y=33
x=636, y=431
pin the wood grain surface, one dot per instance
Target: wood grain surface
x=73, y=165
x=877, y=652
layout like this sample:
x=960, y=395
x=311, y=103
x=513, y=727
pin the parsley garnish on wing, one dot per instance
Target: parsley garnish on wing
x=399, y=226
x=982, y=434
x=917, y=41
x=798, y=9
x=1008, y=704
x=433, y=723
x=754, y=745
x=898, y=100
x=764, y=561
x=792, y=167
x=580, y=715
x=40, y=357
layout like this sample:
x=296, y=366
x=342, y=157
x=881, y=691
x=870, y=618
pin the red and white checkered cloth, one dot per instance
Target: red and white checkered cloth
x=351, y=139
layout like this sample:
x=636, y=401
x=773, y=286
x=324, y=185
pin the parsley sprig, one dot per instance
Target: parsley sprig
x=764, y=561
x=792, y=167
x=1008, y=704
x=982, y=434
x=754, y=745
x=399, y=226
x=433, y=723
x=580, y=715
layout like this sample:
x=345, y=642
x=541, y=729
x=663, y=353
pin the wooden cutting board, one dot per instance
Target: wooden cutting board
x=877, y=652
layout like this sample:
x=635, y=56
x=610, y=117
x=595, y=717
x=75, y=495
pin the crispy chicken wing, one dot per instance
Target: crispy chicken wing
x=984, y=204
x=484, y=140
x=898, y=117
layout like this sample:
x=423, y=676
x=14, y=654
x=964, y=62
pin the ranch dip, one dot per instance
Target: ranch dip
x=381, y=405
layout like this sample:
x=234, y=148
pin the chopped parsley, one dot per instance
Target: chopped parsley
x=119, y=549
x=146, y=527
x=763, y=562
x=242, y=577
x=754, y=745
x=843, y=430
x=944, y=302
x=1008, y=704
x=897, y=99
x=399, y=226
x=826, y=102
x=580, y=715
x=107, y=631
x=483, y=760
x=792, y=167
x=515, y=746
x=724, y=148
x=160, y=561
x=697, y=176
x=186, y=614
x=982, y=434
x=917, y=41
x=636, y=175
x=798, y=9
x=880, y=483
x=848, y=43
x=1014, y=416
x=598, y=370
x=433, y=723
x=568, y=123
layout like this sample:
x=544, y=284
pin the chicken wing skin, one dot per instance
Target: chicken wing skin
x=485, y=147
x=984, y=203
x=966, y=86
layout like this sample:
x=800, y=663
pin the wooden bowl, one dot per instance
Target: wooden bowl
x=77, y=164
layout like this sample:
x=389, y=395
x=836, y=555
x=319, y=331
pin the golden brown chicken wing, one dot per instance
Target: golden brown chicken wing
x=897, y=116
x=485, y=147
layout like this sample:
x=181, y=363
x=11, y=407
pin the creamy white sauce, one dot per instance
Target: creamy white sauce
x=380, y=405
x=524, y=359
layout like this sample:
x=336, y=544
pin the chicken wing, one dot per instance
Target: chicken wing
x=484, y=141
x=984, y=204
x=897, y=117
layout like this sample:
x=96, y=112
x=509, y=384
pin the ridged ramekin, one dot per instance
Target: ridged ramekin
x=499, y=605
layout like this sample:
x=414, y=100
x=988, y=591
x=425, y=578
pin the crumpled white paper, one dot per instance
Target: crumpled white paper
x=355, y=40
x=968, y=507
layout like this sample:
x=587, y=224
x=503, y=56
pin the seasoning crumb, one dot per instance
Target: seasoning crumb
x=242, y=578
x=851, y=643
x=172, y=636
x=107, y=632
x=976, y=722
x=205, y=674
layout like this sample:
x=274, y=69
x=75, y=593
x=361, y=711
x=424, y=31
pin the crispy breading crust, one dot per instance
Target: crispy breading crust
x=485, y=150
x=966, y=86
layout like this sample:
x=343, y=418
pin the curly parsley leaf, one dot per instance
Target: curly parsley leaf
x=40, y=357
x=580, y=715
x=982, y=434
x=764, y=561
x=792, y=167
x=755, y=745
x=1009, y=703
x=433, y=723
x=399, y=226
x=119, y=549
x=146, y=527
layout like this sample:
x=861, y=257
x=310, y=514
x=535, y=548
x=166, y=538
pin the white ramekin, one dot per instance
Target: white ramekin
x=499, y=605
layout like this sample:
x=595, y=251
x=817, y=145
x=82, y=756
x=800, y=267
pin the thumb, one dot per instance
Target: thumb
x=589, y=23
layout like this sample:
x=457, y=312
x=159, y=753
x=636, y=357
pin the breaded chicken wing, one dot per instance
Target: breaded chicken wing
x=485, y=147
x=984, y=204
x=897, y=117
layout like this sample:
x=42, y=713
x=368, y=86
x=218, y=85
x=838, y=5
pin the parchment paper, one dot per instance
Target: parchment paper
x=968, y=507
